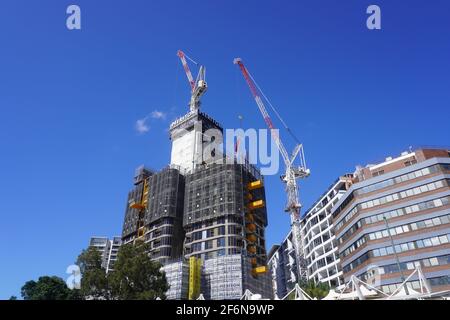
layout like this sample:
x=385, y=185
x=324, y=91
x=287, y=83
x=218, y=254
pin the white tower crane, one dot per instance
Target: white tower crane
x=292, y=172
x=199, y=86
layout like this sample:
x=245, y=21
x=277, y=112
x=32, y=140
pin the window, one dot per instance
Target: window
x=420, y=244
x=443, y=239
x=435, y=241
x=208, y=244
x=410, y=266
x=434, y=262
x=377, y=173
x=221, y=242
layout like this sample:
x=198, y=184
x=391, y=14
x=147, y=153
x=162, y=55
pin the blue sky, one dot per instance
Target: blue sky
x=69, y=102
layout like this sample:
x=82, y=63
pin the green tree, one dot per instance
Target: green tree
x=314, y=290
x=94, y=282
x=135, y=276
x=46, y=288
x=13, y=298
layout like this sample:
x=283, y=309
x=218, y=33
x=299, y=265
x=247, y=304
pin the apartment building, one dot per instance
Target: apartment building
x=396, y=217
x=283, y=267
x=108, y=249
x=319, y=245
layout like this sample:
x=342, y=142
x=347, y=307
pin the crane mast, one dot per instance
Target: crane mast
x=199, y=86
x=292, y=172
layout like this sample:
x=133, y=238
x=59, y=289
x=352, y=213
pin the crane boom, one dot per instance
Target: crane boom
x=292, y=172
x=263, y=109
x=182, y=57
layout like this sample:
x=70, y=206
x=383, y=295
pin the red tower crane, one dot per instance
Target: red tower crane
x=292, y=172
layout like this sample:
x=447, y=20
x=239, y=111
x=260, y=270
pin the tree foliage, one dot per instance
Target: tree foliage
x=319, y=290
x=47, y=288
x=94, y=282
x=135, y=276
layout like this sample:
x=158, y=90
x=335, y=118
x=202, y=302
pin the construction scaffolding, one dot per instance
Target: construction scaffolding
x=223, y=278
x=177, y=275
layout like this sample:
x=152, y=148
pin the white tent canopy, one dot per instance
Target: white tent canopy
x=367, y=292
x=300, y=294
x=332, y=295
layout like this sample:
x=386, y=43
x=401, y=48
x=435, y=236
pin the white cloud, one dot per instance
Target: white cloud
x=158, y=115
x=141, y=126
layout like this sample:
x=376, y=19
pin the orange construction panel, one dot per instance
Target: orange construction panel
x=256, y=204
x=251, y=227
x=255, y=185
x=260, y=270
x=137, y=206
x=251, y=238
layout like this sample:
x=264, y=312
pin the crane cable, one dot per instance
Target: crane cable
x=274, y=110
x=190, y=59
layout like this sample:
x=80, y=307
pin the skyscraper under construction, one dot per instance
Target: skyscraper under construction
x=203, y=217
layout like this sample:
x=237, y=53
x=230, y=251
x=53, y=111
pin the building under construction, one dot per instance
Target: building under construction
x=154, y=213
x=203, y=217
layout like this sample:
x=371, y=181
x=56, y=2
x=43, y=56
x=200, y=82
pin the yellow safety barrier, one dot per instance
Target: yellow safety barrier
x=194, y=277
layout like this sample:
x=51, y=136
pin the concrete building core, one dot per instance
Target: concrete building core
x=190, y=140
